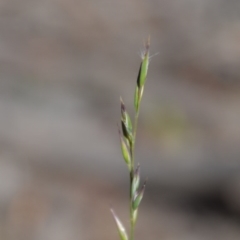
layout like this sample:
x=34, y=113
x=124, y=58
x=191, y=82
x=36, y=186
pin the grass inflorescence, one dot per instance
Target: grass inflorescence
x=127, y=141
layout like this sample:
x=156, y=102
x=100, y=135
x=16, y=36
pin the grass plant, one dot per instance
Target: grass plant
x=127, y=141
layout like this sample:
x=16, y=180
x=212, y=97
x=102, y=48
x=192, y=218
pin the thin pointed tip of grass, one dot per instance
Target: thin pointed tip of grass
x=123, y=109
x=114, y=214
x=144, y=185
x=145, y=51
x=145, y=182
x=137, y=168
x=121, y=100
x=112, y=211
x=147, y=43
x=118, y=222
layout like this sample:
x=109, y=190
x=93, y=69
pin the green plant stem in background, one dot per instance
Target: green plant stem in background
x=128, y=142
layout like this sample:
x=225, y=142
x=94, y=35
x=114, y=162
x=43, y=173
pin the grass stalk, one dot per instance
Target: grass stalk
x=132, y=152
x=128, y=142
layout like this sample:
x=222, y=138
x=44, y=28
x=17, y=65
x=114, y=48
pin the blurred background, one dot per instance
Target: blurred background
x=64, y=65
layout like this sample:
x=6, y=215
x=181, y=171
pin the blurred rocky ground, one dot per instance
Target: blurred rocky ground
x=63, y=66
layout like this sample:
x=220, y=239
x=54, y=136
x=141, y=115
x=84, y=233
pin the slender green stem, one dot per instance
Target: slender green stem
x=132, y=152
